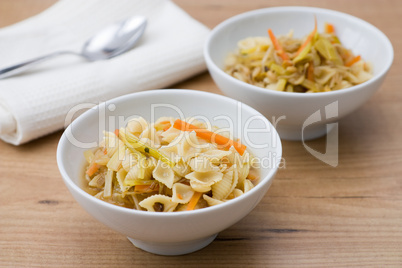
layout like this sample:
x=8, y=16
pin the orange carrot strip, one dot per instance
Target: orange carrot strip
x=141, y=187
x=353, y=61
x=309, y=38
x=194, y=200
x=167, y=123
x=277, y=46
x=92, y=169
x=167, y=127
x=179, y=196
x=210, y=136
x=116, y=131
x=329, y=28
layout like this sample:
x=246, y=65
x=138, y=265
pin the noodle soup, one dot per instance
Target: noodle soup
x=318, y=62
x=170, y=165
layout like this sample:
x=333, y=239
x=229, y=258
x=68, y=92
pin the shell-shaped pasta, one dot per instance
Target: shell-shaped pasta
x=120, y=176
x=148, y=165
x=202, y=181
x=142, y=170
x=132, y=174
x=171, y=152
x=181, y=168
x=248, y=185
x=209, y=178
x=159, y=203
x=164, y=174
x=231, y=158
x=241, y=164
x=150, y=143
x=206, y=146
x=129, y=160
x=198, y=162
x=222, y=188
x=236, y=158
x=243, y=171
x=149, y=136
x=211, y=201
x=237, y=192
x=223, y=168
x=189, y=146
x=246, y=157
x=137, y=125
x=202, y=164
x=200, y=187
x=170, y=134
x=215, y=155
x=235, y=180
x=182, y=193
x=151, y=163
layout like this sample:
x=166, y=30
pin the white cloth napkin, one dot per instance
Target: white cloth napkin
x=36, y=102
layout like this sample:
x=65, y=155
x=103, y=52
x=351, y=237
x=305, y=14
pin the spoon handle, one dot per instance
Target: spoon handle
x=21, y=67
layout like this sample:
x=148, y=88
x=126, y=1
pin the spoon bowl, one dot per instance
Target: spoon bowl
x=115, y=39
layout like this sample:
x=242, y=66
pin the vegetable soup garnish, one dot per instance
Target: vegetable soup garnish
x=210, y=136
x=169, y=165
x=316, y=63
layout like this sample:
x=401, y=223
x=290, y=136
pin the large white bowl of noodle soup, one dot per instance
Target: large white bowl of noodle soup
x=171, y=233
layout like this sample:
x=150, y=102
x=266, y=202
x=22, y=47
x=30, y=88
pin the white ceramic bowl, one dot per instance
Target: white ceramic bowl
x=295, y=115
x=171, y=233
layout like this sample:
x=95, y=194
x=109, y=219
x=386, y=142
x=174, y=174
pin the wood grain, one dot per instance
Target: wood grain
x=314, y=215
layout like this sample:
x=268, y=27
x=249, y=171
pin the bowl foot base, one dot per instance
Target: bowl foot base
x=178, y=248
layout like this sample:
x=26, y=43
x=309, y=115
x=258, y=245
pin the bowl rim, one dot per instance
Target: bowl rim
x=63, y=142
x=283, y=9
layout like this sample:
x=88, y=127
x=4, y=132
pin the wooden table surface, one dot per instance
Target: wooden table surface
x=314, y=215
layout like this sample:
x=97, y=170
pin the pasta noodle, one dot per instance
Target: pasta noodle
x=221, y=189
x=212, y=201
x=316, y=63
x=158, y=203
x=182, y=193
x=202, y=181
x=137, y=126
x=164, y=174
x=156, y=167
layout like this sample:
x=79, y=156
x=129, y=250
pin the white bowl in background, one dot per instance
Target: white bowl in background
x=171, y=233
x=295, y=115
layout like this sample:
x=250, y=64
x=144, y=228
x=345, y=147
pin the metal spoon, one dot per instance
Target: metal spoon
x=108, y=43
